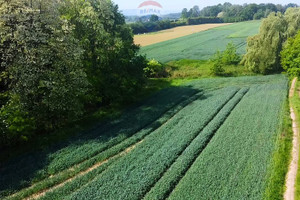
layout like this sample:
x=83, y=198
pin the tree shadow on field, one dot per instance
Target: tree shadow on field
x=19, y=172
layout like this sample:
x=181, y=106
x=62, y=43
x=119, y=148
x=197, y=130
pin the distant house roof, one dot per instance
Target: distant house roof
x=150, y=3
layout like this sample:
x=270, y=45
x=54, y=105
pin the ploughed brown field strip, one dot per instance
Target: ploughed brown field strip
x=152, y=38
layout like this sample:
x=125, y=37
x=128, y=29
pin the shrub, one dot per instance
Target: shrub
x=230, y=55
x=290, y=56
x=15, y=125
x=217, y=64
x=155, y=69
x=227, y=57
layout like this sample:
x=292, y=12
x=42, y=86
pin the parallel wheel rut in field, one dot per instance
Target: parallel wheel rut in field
x=92, y=168
x=186, y=103
x=182, y=105
x=199, y=150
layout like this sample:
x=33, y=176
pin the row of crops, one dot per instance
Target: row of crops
x=235, y=163
x=93, y=146
x=211, y=138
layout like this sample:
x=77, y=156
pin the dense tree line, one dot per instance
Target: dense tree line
x=157, y=25
x=235, y=13
x=58, y=60
x=204, y=20
x=151, y=26
x=220, y=13
x=264, y=49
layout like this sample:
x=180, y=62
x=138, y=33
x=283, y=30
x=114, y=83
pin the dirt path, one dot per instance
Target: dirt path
x=292, y=173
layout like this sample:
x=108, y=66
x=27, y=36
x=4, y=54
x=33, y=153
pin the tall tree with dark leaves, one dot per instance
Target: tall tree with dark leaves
x=42, y=61
x=114, y=69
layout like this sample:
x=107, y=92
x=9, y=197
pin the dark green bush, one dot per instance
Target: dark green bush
x=290, y=56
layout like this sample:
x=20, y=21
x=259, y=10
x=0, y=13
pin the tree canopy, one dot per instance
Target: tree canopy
x=290, y=56
x=235, y=13
x=263, y=49
x=59, y=59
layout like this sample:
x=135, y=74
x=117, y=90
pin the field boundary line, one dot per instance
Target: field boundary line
x=196, y=135
x=185, y=103
x=293, y=167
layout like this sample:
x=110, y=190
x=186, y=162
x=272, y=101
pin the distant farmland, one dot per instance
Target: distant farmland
x=161, y=36
x=208, y=139
x=202, y=45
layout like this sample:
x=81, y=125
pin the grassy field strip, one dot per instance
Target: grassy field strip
x=107, y=154
x=202, y=45
x=172, y=176
x=132, y=175
x=235, y=163
x=160, y=36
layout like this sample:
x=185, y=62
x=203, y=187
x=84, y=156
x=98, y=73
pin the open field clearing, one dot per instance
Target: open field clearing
x=160, y=36
x=202, y=45
x=210, y=138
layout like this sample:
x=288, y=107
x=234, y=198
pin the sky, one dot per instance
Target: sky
x=178, y=5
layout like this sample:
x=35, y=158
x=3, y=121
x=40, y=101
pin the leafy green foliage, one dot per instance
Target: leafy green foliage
x=150, y=26
x=221, y=59
x=60, y=59
x=290, y=56
x=155, y=69
x=217, y=64
x=238, y=13
x=110, y=57
x=230, y=55
x=15, y=123
x=201, y=69
x=41, y=63
x=154, y=18
x=263, y=50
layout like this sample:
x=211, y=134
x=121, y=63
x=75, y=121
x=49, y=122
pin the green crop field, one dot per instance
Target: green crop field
x=206, y=139
x=202, y=45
